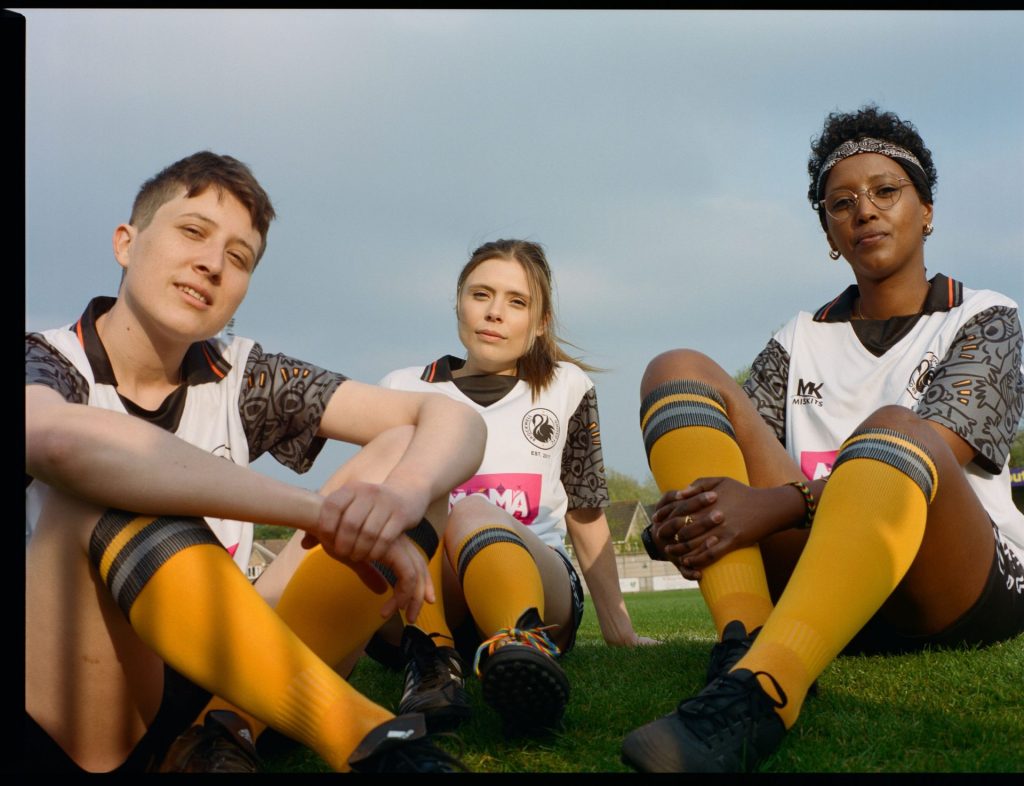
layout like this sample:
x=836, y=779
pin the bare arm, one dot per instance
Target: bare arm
x=116, y=460
x=591, y=539
x=446, y=449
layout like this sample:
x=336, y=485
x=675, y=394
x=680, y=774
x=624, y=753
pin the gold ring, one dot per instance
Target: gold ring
x=688, y=521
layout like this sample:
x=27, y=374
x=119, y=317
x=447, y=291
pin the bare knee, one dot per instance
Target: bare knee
x=478, y=510
x=388, y=447
x=471, y=513
x=909, y=423
x=377, y=458
x=67, y=519
x=89, y=680
x=680, y=364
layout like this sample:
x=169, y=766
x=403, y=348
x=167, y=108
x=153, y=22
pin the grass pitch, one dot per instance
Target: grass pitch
x=935, y=712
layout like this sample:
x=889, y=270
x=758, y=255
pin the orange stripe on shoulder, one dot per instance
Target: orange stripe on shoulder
x=78, y=332
x=210, y=363
x=828, y=308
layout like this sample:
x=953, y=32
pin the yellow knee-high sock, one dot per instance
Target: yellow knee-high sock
x=329, y=608
x=431, y=619
x=499, y=578
x=323, y=589
x=687, y=435
x=867, y=530
x=186, y=599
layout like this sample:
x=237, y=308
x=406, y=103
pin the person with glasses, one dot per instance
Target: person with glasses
x=853, y=496
x=511, y=600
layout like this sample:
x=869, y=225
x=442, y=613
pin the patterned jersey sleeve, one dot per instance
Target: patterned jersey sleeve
x=766, y=386
x=45, y=365
x=977, y=390
x=582, y=459
x=282, y=402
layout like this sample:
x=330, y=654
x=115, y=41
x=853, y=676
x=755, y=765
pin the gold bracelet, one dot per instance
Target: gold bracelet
x=810, y=503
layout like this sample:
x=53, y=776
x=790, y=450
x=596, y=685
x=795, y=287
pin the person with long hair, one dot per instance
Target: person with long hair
x=511, y=601
x=853, y=496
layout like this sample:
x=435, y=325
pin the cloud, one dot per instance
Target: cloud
x=658, y=155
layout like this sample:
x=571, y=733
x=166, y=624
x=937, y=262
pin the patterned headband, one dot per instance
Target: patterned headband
x=867, y=145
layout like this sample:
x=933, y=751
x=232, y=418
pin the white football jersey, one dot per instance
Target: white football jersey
x=236, y=402
x=542, y=457
x=958, y=363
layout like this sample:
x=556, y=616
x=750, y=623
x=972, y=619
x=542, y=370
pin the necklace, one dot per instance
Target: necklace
x=857, y=314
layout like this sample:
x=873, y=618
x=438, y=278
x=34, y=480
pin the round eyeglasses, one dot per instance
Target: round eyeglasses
x=842, y=203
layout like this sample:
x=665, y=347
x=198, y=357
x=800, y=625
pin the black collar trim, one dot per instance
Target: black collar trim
x=203, y=361
x=944, y=294
x=482, y=389
x=441, y=369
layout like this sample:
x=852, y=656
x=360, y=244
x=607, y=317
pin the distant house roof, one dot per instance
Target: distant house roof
x=275, y=545
x=625, y=519
x=620, y=516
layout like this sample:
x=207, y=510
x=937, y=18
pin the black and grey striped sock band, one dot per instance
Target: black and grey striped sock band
x=895, y=449
x=482, y=539
x=678, y=404
x=128, y=549
x=386, y=572
x=424, y=536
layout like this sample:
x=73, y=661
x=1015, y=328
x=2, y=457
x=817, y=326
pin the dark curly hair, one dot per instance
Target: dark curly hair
x=870, y=121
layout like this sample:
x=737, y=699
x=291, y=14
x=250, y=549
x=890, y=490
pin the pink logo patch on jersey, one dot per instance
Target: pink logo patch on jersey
x=517, y=493
x=817, y=464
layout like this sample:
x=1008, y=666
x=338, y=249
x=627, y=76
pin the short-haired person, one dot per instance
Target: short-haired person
x=511, y=599
x=853, y=496
x=140, y=426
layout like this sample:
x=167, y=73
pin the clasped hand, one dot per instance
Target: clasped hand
x=361, y=523
x=695, y=526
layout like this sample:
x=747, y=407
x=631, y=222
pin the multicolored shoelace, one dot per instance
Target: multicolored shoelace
x=529, y=637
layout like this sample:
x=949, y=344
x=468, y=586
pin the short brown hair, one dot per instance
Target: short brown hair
x=195, y=174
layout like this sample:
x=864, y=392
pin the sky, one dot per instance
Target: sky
x=658, y=156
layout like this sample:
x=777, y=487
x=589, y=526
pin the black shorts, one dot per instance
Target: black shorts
x=182, y=701
x=576, y=588
x=997, y=615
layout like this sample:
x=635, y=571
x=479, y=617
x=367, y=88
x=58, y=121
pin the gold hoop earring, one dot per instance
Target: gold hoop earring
x=834, y=254
x=928, y=229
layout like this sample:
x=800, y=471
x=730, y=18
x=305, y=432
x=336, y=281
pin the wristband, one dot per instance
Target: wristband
x=647, y=538
x=810, y=503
